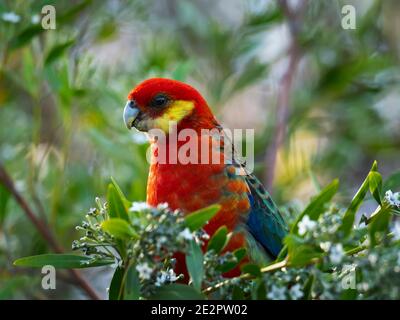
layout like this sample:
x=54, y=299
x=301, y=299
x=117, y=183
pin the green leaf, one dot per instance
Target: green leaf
x=392, y=183
x=132, y=284
x=199, y=218
x=107, y=31
x=259, y=292
x=264, y=18
x=57, y=51
x=119, y=228
x=25, y=36
x=4, y=197
x=375, y=185
x=350, y=214
x=228, y=266
x=194, y=263
x=71, y=14
x=116, y=207
x=10, y=286
x=299, y=253
x=219, y=240
x=177, y=292
x=61, y=261
x=252, y=269
x=125, y=201
x=316, y=207
x=237, y=293
x=116, y=283
x=349, y=294
x=379, y=225
x=307, y=289
x=282, y=254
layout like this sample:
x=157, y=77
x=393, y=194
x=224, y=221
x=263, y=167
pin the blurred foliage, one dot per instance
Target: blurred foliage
x=62, y=92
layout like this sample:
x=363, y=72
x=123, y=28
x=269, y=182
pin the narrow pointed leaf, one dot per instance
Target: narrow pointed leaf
x=317, y=205
x=61, y=261
x=199, y=218
x=132, y=284
x=116, y=207
x=350, y=214
x=118, y=228
x=114, y=293
x=219, y=240
x=252, y=269
x=194, y=263
x=125, y=201
x=375, y=185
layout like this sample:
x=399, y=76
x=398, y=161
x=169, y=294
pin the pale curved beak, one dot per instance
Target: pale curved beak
x=131, y=111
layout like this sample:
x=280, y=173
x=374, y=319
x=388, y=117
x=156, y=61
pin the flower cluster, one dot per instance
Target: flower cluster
x=393, y=199
x=161, y=233
x=96, y=243
x=371, y=272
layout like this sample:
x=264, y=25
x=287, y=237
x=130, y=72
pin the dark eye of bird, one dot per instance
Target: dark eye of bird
x=159, y=101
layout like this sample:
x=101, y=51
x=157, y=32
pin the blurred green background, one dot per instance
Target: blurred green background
x=62, y=93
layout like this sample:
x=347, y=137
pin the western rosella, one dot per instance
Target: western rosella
x=247, y=209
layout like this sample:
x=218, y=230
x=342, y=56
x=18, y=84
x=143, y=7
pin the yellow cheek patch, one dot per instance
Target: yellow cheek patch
x=175, y=112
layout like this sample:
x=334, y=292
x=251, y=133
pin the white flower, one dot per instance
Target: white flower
x=362, y=225
x=139, y=206
x=306, y=224
x=162, y=206
x=144, y=271
x=161, y=279
x=325, y=245
x=373, y=258
x=185, y=234
x=35, y=19
x=205, y=236
x=276, y=293
x=166, y=276
x=393, y=198
x=296, y=292
x=11, y=17
x=161, y=240
x=92, y=211
x=396, y=230
x=336, y=254
x=363, y=286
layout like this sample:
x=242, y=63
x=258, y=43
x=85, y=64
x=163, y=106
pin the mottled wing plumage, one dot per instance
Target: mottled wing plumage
x=265, y=221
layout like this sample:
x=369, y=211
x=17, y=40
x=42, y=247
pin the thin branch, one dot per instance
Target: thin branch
x=273, y=267
x=43, y=230
x=294, y=55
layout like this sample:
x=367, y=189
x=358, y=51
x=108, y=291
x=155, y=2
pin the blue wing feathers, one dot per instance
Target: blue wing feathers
x=265, y=221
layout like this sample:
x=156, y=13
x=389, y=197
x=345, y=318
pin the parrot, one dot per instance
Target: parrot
x=246, y=208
